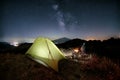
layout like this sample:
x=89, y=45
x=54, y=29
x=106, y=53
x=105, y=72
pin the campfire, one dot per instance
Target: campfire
x=76, y=50
x=76, y=53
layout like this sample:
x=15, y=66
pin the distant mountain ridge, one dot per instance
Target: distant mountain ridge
x=61, y=40
x=72, y=43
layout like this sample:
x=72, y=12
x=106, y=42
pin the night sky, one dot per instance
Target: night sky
x=24, y=20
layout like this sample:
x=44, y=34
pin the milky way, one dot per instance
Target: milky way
x=85, y=19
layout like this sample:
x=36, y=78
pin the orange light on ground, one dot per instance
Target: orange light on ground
x=76, y=50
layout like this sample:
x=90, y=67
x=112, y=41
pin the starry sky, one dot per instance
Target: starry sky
x=85, y=19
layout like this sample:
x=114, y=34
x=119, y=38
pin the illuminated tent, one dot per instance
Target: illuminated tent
x=45, y=52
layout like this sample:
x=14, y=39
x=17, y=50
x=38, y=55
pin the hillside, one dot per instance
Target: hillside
x=103, y=63
x=20, y=67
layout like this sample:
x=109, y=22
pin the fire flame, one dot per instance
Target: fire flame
x=76, y=50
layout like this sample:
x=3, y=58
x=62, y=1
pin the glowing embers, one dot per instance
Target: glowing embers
x=76, y=53
x=76, y=50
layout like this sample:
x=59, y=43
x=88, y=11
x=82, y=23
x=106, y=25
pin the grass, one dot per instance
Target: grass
x=19, y=67
x=100, y=68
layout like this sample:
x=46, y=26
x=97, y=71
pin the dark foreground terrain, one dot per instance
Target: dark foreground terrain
x=20, y=67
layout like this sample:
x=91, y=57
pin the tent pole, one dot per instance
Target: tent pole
x=49, y=51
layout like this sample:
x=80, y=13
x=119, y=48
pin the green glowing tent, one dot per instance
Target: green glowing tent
x=45, y=51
